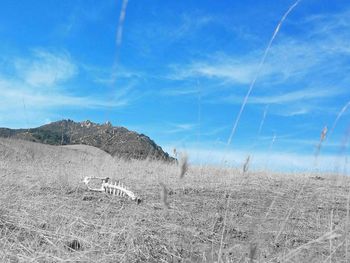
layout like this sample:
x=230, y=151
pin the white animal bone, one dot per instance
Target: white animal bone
x=111, y=188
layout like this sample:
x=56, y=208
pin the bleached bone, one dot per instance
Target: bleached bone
x=111, y=188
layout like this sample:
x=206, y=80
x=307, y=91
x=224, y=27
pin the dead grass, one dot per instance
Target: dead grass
x=46, y=214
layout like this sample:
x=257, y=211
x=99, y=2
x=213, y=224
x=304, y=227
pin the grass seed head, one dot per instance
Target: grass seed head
x=246, y=164
x=164, y=195
x=175, y=152
x=324, y=133
x=183, y=165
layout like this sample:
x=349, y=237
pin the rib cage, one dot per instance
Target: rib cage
x=113, y=188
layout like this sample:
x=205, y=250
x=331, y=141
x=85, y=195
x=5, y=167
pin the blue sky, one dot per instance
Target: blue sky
x=178, y=71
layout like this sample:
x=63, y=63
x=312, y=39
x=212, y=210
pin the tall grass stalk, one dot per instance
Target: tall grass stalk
x=347, y=226
x=245, y=100
x=122, y=15
x=296, y=199
x=330, y=240
x=262, y=122
x=223, y=228
x=200, y=220
x=332, y=252
x=246, y=165
x=324, y=237
x=339, y=115
x=261, y=64
x=164, y=195
x=319, y=145
x=183, y=165
x=273, y=140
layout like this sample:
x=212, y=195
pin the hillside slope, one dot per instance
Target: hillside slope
x=24, y=159
x=210, y=215
x=117, y=141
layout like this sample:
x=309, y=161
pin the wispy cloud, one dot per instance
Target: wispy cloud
x=37, y=80
x=300, y=73
x=45, y=69
x=39, y=86
x=322, y=24
x=186, y=25
x=288, y=97
x=289, y=60
x=179, y=91
x=228, y=70
x=78, y=18
x=314, y=106
x=110, y=75
x=180, y=127
x=325, y=37
x=14, y=92
x=215, y=130
x=190, y=23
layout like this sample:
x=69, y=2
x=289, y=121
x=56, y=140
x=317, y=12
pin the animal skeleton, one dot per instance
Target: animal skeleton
x=112, y=188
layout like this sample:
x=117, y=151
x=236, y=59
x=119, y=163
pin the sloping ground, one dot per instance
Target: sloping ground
x=117, y=141
x=27, y=160
x=46, y=214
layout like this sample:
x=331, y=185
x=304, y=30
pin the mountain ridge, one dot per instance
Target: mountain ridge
x=115, y=140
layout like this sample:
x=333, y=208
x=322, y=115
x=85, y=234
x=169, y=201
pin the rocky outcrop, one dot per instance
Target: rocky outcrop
x=117, y=141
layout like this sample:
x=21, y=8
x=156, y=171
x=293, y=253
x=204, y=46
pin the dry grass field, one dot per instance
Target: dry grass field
x=214, y=214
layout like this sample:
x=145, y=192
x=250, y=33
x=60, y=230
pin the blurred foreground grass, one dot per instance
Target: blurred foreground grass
x=47, y=215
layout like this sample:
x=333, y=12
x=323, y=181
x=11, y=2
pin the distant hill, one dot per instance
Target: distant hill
x=117, y=141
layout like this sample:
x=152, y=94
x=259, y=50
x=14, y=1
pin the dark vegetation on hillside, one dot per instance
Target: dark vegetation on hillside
x=117, y=141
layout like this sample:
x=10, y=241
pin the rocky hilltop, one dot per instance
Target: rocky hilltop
x=117, y=141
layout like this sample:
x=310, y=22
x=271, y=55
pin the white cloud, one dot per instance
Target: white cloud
x=288, y=97
x=288, y=61
x=179, y=91
x=323, y=24
x=14, y=92
x=219, y=67
x=181, y=26
x=321, y=48
x=301, y=73
x=46, y=69
x=111, y=75
x=179, y=127
x=228, y=70
x=190, y=23
x=35, y=90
